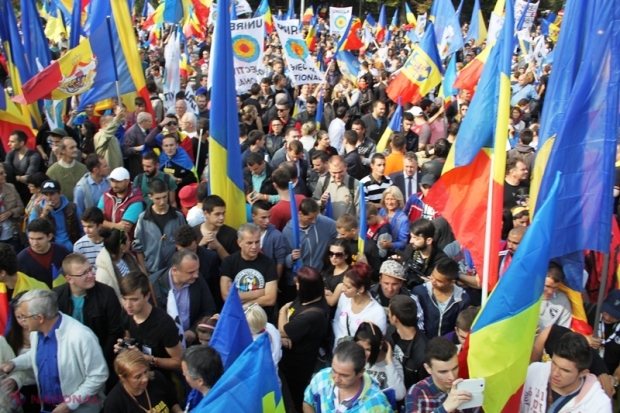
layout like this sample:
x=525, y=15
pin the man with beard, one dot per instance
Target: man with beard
x=150, y=166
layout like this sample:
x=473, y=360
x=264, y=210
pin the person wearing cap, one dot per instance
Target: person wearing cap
x=607, y=328
x=122, y=203
x=391, y=283
x=68, y=170
x=20, y=163
x=188, y=198
x=155, y=226
x=420, y=127
x=376, y=121
x=64, y=215
x=106, y=142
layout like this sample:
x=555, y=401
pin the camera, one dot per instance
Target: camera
x=413, y=271
x=126, y=343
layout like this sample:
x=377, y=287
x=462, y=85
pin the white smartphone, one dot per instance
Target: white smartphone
x=476, y=388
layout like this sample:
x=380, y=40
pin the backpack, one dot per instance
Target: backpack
x=350, y=185
x=141, y=180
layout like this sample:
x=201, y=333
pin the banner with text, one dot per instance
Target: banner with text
x=302, y=67
x=338, y=19
x=530, y=15
x=248, y=37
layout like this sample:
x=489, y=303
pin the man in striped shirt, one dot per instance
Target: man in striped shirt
x=376, y=183
x=90, y=244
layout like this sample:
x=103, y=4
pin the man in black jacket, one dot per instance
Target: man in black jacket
x=91, y=303
x=181, y=282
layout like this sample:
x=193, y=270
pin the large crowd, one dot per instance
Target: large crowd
x=116, y=260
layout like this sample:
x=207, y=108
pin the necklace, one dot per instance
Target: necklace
x=148, y=399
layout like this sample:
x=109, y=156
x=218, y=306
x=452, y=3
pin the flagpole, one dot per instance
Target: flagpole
x=198, y=152
x=487, y=237
x=116, y=81
x=601, y=293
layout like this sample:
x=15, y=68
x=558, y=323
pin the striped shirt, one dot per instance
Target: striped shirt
x=373, y=190
x=88, y=248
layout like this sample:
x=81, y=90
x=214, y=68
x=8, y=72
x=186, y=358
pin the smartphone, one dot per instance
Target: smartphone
x=476, y=388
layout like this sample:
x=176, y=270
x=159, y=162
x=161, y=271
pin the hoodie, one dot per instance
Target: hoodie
x=435, y=322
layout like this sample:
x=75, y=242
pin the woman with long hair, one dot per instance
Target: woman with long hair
x=115, y=261
x=139, y=389
x=88, y=131
x=35, y=181
x=303, y=323
x=337, y=261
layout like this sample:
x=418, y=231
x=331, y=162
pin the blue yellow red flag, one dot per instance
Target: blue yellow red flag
x=224, y=151
x=250, y=385
x=381, y=25
x=11, y=119
x=410, y=16
x=308, y=15
x=421, y=72
x=447, y=27
x=265, y=10
x=477, y=28
x=361, y=239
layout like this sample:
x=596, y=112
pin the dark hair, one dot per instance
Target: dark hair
x=310, y=283
x=309, y=206
x=243, y=129
x=180, y=96
x=311, y=100
x=260, y=205
x=367, y=331
x=350, y=137
x=15, y=334
x=202, y=191
x=339, y=242
x=439, y=348
x=320, y=154
x=203, y=362
x=41, y=225
x=466, y=318
x=398, y=141
x=113, y=239
x=37, y=179
x=266, y=80
x=135, y=280
x=442, y=148
x=94, y=215
x=157, y=186
x=254, y=158
x=151, y=156
x=360, y=275
x=255, y=89
x=291, y=167
x=20, y=135
x=448, y=268
x=255, y=136
x=139, y=101
x=574, y=347
x=555, y=272
x=408, y=116
x=8, y=259
x=350, y=352
x=526, y=136
x=376, y=156
x=422, y=227
x=341, y=112
x=180, y=255
x=453, y=129
x=92, y=161
x=184, y=236
x=405, y=309
x=295, y=146
x=211, y=202
x=359, y=122
x=281, y=177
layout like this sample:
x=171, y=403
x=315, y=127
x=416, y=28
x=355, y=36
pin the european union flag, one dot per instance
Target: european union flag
x=250, y=385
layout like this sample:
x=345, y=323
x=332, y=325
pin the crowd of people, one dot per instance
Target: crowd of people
x=116, y=259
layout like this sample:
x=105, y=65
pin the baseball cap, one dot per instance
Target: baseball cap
x=50, y=187
x=392, y=269
x=611, y=305
x=119, y=174
x=416, y=111
x=58, y=132
x=428, y=179
x=187, y=195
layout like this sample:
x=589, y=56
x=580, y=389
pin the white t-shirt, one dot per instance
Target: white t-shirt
x=373, y=313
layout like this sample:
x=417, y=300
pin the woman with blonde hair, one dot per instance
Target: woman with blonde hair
x=392, y=204
x=249, y=116
x=257, y=320
x=139, y=389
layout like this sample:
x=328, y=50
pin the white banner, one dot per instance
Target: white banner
x=172, y=54
x=302, y=68
x=338, y=19
x=190, y=99
x=241, y=7
x=495, y=25
x=529, y=16
x=248, y=38
x=419, y=30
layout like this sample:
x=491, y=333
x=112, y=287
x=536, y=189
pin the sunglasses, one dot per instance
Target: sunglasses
x=171, y=124
x=335, y=254
x=282, y=110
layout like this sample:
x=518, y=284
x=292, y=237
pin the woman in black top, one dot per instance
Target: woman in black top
x=302, y=323
x=337, y=262
x=139, y=389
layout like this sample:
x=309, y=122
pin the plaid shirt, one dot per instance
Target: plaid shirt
x=320, y=395
x=425, y=397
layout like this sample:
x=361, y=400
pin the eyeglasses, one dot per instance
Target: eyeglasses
x=171, y=124
x=335, y=254
x=90, y=270
x=22, y=318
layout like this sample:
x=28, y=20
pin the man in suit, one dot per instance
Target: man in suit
x=408, y=180
x=182, y=282
x=133, y=143
x=375, y=122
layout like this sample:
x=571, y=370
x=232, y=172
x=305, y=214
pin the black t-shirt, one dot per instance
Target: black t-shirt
x=330, y=280
x=161, y=219
x=510, y=194
x=161, y=395
x=250, y=275
x=306, y=329
x=225, y=236
x=154, y=334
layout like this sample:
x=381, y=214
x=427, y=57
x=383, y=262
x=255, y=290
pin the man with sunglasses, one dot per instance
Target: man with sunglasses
x=91, y=303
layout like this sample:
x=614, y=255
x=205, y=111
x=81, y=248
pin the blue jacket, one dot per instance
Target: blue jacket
x=274, y=245
x=435, y=323
x=314, y=242
x=400, y=228
x=61, y=236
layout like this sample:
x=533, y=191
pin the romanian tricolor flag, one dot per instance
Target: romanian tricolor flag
x=578, y=137
x=395, y=125
x=311, y=38
x=348, y=64
x=477, y=28
x=250, y=385
x=500, y=341
x=381, y=26
x=224, y=150
x=87, y=66
x=11, y=119
x=361, y=236
x=447, y=91
x=308, y=15
x=264, y=10
x=421, y=72
x=393, y=25
x=461, y=194
x=468, y=77
x=411, y=20
x=352, y=40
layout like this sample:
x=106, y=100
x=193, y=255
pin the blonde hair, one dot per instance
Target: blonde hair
x=395, y=192
x=127, y=360
x=256, y=316
x=308, y=128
